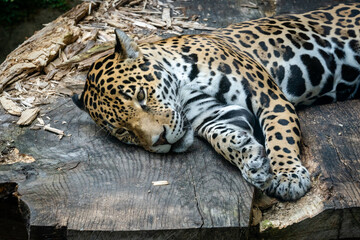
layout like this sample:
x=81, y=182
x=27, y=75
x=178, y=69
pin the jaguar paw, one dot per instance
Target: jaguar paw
x=290, y=186
x=257, y=171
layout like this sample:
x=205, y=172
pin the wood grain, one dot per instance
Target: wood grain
x=333, y=136
x=92, y=184
x=331, y=151
x=294, y=6
x=41, y=48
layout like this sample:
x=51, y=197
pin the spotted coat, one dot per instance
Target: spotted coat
x=225, y=85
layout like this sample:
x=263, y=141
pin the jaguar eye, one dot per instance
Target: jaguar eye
x=141, y=95
x=121, y=131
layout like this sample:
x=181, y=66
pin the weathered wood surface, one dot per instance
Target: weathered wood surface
x=90, y=185
x=296, y=6
x=40, y=49
x=331, y=150
x=221, y=13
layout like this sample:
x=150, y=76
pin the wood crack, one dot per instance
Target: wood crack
x=340, y=159
x=196, y=198
x=340, y=224
x=12, y=207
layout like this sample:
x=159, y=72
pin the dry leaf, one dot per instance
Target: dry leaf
x=28, y=101
x=53, y=130
x=64, y=51
x=15, y=156
x=150, y=39
x=41, y=84
x=160, y=183
x=256, y=216
x=41, y=121
x=28, y=116
x=10, y=106
x=166, y=17
x=65, y=91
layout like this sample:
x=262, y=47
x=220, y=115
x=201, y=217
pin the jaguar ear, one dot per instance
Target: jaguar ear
x=78, y=101
x=125, y=46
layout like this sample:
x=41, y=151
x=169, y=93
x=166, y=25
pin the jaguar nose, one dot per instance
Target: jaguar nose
x=162, y=139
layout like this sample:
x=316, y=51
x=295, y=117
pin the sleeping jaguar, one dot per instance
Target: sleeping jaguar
x=226, y=84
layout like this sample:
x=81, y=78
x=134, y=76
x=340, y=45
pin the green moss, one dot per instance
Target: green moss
x=265, y=225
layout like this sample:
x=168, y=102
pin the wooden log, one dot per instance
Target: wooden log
x=41, y=48
x=91, y=185
x=14, y=215
x=294, y=6
x=331, y=210
x=100, y=187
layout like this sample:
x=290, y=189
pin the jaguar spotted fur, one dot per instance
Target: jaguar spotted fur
x=221, y=85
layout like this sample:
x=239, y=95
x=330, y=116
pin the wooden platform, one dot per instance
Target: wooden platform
x=90, y=186
x=331, y=151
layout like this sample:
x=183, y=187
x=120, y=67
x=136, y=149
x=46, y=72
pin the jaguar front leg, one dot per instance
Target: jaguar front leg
x=282, y=141
x=229, y=129
x=233, y=138
x=281, y=129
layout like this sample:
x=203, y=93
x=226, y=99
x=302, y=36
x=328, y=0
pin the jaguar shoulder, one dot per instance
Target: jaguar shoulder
x=219, y=85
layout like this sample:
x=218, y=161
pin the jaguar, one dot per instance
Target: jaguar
x=227, y=85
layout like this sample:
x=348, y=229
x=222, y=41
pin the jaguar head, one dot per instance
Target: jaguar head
x=125, y=93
